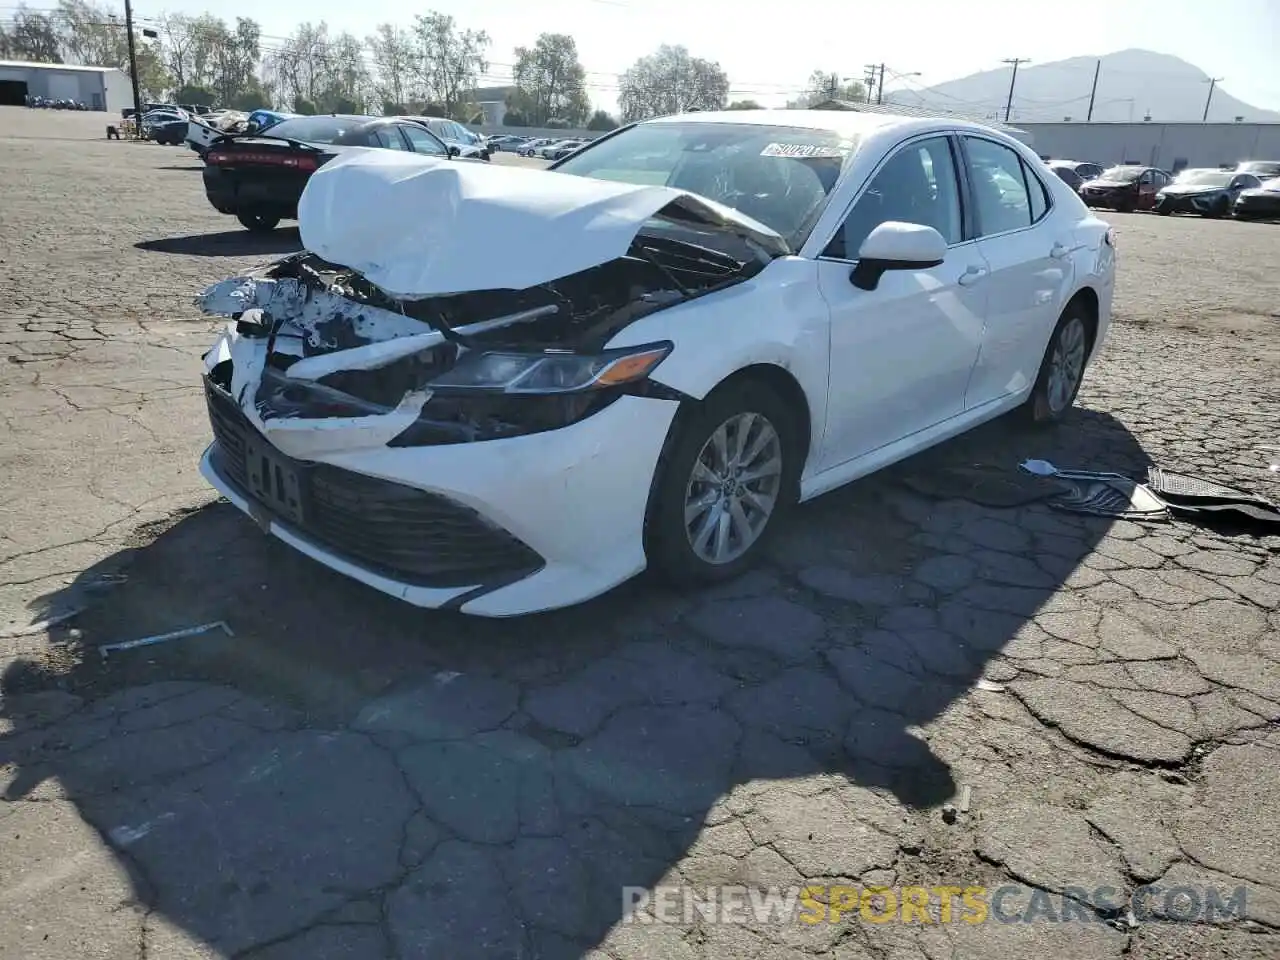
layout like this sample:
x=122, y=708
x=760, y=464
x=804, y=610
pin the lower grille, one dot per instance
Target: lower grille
x=392, y=529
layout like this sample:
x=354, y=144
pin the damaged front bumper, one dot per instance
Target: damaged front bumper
x=493, y=528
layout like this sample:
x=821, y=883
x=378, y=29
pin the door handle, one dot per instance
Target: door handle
x=972, y=276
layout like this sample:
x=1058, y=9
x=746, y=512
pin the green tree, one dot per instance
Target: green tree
x=450, y=60
x=744, y=105
x=601, y=120
x=671, y=81
x=191, y=93
x=515, y=118
x=550, y=81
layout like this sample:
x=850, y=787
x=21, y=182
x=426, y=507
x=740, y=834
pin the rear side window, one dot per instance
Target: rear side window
x=1036, y=193
x=999, y=187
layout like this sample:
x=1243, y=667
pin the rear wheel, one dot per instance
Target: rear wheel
x=258, y=222
x=1062, y=369
x=725, y=480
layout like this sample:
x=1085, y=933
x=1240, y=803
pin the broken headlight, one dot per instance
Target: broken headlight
x=488, y=395
x=551, y=372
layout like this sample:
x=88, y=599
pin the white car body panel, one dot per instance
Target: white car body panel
x=927, y=354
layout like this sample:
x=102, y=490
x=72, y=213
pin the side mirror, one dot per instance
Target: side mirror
x=454, y=151
x=897, y=246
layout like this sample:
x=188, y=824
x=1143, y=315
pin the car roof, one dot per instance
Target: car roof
x=847, y=123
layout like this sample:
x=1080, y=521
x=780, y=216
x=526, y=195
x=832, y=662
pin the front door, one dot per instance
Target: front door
x=901, y=354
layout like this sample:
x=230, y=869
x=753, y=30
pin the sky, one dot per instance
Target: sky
x=768, y=48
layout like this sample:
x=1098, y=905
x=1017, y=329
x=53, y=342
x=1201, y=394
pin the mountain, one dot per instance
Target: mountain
x=1131, y=85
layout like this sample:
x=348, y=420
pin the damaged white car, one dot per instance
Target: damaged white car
x=503, y=390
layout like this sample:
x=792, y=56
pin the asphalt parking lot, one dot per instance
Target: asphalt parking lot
x=910, y=692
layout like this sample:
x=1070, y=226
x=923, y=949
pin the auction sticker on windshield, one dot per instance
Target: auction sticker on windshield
x=803, y=151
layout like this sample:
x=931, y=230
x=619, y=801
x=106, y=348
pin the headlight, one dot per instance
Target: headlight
x=550, y=373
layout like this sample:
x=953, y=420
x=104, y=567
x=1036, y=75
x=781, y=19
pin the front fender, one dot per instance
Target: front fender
x=777, y=317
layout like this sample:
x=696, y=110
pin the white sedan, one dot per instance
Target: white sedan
x=502, y=390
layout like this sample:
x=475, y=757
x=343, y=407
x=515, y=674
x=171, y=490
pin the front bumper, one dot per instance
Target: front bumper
x=543, y=521
x=1265, y=206
x=1201, y=203
x=1110, y=199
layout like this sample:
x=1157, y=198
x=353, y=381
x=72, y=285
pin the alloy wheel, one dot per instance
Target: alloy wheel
x=1066, y=366
x=733, y=489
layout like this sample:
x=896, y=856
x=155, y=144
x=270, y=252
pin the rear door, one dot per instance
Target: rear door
x=1029, y=252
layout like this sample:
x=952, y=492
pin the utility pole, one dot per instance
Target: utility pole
x=880, y=86
x=833, y=86
x=133, y=69
x=1094, y=92
x=1213, y=82
x=870, y=81
x=1008, y=107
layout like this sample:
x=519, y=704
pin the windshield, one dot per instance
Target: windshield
x=1122, y=174
x=780, y=176
x=1205, y=178
x=317, y=129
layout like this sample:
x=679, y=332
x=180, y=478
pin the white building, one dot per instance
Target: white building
x=1169, y=146
x=98, y=88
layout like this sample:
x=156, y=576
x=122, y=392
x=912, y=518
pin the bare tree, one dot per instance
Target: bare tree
x=33, y=36
x=825, y=85
x=671, y=81
x=550, y=81
x=394, y=61
x=449, y=60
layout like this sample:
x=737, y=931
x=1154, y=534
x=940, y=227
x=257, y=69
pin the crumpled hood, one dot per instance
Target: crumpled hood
x=419, y=227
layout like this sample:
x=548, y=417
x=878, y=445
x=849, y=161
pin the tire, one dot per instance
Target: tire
x=258, y=222
x=670, y=540
x=1163, y=211
x=1219, y=210
x=1051, y=399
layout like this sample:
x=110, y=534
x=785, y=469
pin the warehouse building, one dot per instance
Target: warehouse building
x=1170, y=146
x=98, y=88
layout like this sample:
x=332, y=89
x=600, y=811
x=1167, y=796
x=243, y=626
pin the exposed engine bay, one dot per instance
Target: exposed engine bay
x=331, y=344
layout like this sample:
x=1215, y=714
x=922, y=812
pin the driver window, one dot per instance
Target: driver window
x=422, y=142
x=1147, y=178
x=917, y=185
x=388, y=138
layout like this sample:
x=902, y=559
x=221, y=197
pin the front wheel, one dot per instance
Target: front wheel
x=1062, y=369
x=728, y=475
x=1219, y=209
x=258, y=222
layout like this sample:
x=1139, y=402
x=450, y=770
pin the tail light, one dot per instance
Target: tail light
x=290, y=160
x=1110, y=237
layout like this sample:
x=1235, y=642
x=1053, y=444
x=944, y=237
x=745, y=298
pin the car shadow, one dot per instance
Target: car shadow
x=228, y=243
x=486, y=789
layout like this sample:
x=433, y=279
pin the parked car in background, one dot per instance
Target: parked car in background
x=165, y=126
x=506, y=143
x=563, y=150
x=1262, y=169
x=530, y=148
x=1208, y=192
x=258, y=178
x=460, y=141
x=1084, y=169
x=676, y=335
x=1258, y=203
x=1067, y=174
x=549, y=150
x=1125, y=188
x=262, y=120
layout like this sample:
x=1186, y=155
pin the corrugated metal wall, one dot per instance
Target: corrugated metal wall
x=1158, y=144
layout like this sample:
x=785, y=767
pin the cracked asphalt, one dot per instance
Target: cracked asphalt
x=909, y=691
